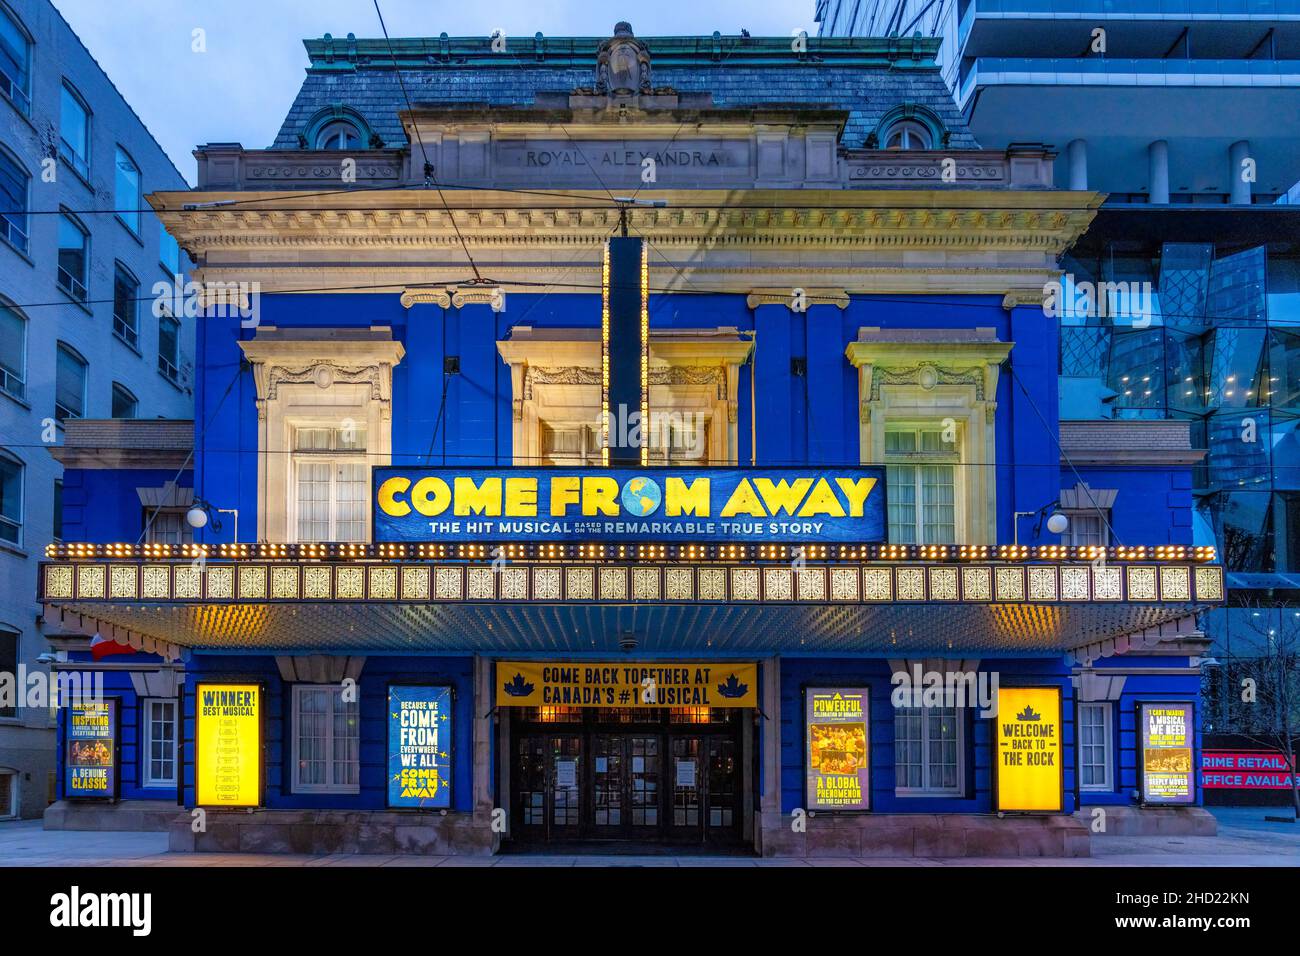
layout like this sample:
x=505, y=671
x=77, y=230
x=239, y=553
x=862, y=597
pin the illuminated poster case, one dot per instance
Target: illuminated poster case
x=419, y=746
x=90, y=765
x=1167, y=734
x=228, y=745
x=1028, y=750
x=837, y=742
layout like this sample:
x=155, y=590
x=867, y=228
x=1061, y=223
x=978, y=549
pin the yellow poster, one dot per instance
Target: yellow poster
x=1029, y=748
x=229, y=745
x=626, y=684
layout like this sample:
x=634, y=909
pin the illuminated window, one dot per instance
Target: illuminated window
x=326, y=741
x=158, y=717
x=928, y=744
x=922, y=474
x=331, y=483
x=1095, y=747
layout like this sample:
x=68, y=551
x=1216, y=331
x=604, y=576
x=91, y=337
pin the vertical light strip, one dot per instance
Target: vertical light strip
x=604, y=358
x=645, y=353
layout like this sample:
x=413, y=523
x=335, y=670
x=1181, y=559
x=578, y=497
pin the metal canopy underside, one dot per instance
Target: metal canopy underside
x=989, y=629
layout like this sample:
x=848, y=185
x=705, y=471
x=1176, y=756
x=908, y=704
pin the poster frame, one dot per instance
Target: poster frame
x=1060, y=764
x=1139, y=712
x=804, y=688
x=451, y=747
x=116, y=701
x=261, y=741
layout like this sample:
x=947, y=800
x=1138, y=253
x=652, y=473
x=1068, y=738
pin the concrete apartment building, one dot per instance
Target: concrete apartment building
x=79, y=258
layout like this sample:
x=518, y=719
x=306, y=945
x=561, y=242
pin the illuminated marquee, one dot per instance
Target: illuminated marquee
x=228, y=770
x=663, y=504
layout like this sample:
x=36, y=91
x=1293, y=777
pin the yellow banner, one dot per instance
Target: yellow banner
x=1029, y=748
x=626, y=684
x=229, y=758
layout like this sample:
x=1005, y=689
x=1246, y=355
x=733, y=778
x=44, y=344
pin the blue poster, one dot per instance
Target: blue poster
x=741, y=505
x=419, y=747
x=90, y=765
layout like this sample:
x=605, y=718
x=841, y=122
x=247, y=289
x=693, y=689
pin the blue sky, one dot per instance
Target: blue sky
x=240, y=89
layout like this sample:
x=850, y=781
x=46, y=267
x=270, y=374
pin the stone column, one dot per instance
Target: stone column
x=1238, y=153
x=1077, y=154
x=1158, y=172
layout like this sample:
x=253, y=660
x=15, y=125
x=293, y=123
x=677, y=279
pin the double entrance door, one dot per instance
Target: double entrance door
x=594, y=781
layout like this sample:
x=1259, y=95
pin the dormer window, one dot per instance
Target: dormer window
x=908, y=135
x=340, y=134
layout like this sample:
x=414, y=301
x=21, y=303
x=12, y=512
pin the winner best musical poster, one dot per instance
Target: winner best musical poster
x=835, y=723
x=419, y=747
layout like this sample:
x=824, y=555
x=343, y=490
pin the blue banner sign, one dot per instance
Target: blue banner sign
x=760, y=505
x=419, y=747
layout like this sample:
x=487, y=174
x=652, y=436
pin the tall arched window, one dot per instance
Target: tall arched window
x=126, y=190
x=15, y=63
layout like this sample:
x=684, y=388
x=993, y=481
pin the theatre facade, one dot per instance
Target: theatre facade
x=611, y=442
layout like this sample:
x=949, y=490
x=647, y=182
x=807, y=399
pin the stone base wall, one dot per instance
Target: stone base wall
x=926, y=835
x=1149, y=821
x=136, y=815
x=333, y=831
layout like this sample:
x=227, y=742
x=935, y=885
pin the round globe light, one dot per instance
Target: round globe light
x=196, y=517
x=1058, y=523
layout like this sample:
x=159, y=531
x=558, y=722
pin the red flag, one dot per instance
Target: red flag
x=101, y=647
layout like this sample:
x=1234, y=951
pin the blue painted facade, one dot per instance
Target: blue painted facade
x=806, y=419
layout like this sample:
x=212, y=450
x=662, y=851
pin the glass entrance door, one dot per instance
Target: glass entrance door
x=548, y=801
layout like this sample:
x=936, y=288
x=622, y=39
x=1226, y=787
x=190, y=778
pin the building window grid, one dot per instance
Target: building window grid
x=1095, y=747
x=167, y=526
x=326, y=741
x=921, y=470
x=159, y=742
x=332, y=483
x=928, y=751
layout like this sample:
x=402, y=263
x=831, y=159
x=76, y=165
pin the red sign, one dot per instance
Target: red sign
x=1244, y=770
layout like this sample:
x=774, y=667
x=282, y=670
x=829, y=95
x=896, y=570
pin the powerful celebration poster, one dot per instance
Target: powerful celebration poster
x=1029, y=749
x=835, y=724
x=90, y=770
x=229, y=745
x=1166, y=752
x=419, y=747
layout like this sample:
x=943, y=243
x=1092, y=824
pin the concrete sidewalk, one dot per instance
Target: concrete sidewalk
x=1244, y=839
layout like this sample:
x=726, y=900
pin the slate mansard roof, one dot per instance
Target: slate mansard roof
x=864, y=76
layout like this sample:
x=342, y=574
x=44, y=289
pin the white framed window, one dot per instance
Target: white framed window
x=168, y=526
x=340, y=134
x=326, y=741
x=929, y=744
x=1086, y=527
x=158, y=718
x=331, y=483
x=907, y=134
x=1095, y=749
x=922, y=474
x=570, y=443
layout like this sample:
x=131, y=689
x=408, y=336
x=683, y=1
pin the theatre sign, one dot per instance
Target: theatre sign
x=667, y=504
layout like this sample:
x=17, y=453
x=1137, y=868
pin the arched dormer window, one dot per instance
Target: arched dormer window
x=339, y=128
x=909, y=127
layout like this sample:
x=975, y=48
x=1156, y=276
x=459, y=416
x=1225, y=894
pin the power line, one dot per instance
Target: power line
x=429, y=172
